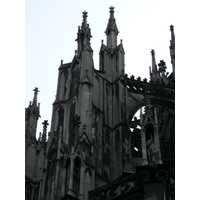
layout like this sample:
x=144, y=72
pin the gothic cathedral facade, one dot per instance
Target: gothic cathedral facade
x=96, y=148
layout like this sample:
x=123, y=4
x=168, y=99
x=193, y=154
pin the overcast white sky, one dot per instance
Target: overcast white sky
x=50, y=33
x=50, y=28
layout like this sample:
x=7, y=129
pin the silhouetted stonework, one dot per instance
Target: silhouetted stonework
x=96, y=147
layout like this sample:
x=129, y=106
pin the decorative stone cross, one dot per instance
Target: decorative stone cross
x=112, y=9
x=45, y=123
x=36, y=90
x=35, y=95
x=84, y=16
x=152, y=52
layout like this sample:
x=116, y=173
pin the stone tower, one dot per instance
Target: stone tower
x=95, y=141
x=35, y=149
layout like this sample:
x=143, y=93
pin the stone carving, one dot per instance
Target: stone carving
x=151, y=150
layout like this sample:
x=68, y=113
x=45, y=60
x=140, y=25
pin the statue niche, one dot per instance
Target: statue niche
x=150, y=143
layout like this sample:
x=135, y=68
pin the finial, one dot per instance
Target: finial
x=121, y=41
x=152, y=52
x=84, y=17
x=45, y=123
x=61, y=62
x=101, y=41
x=172, y=28
x=112, y=9
x=111, y=12
x=162, y=66
x=35, y=95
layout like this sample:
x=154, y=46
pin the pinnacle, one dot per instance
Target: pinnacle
x=35, y=95
x=112, y=12
x=111, y=22
x=172, y=28
x=152, y=52
x=85, y=17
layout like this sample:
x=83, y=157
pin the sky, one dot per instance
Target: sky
x=36, y=35
x=51, y=29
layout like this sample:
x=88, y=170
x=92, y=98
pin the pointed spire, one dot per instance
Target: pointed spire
x=112, y=30
x=45, y=124
x=35, y=96
x=154, y=66
x=172, y=34
x=84, y=23
x=84, y=34
x=112, y=26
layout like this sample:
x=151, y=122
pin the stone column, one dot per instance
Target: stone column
x=40, y=190
x=63, y=182
x=57, y=162
x=157, y=141
x=82, y=177
x=71, y=171
x=144, y=149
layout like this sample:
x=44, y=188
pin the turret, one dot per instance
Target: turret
x=83, y=35
x=111, y=30
x=111, y=56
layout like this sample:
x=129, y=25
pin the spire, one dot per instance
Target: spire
x=32, y=113
x=172, y=35
x=35, y=96
x=154, y=74
x=84, y=23
x=84, y=34
x=154, y=66
x=45, y=124
x=111, y=30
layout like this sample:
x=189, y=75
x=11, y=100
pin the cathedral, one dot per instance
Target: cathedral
x=96, y=148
